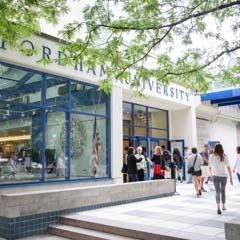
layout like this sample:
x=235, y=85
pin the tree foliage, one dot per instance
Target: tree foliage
x=184, y=41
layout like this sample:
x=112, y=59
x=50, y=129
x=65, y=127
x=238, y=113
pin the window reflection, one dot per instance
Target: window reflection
x=140, y=116
x=27, y=154
x=57, y=92
x=20, y=143
x=56, y=145
x=88, y=146
x=20, y=86
x=157, y=118
x=88, y=99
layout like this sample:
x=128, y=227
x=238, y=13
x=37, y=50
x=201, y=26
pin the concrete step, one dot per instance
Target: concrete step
x=77, y=233
x=97, y=224
x=132, y=231
x=44, y=237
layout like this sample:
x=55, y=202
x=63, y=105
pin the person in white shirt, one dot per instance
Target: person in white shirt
x=218, y=163
x=187, y=154
x=196, y=161
x=141, y=166
x=237, y=164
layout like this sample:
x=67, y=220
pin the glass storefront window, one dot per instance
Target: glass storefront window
x=140, y=116
x=157, y=118
x=39, y=141
x=20, y=86
x=150, y=124
x=21, y=139
x=140, y=131
x=88, y=99
x=155, y=133
x=127, y=130
x=88, y=146
x=57, y=92
x=56, y=145
x=127, y=113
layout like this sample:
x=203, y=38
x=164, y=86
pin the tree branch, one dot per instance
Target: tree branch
x=146, y=54
x=205, y=65
x=196, y=15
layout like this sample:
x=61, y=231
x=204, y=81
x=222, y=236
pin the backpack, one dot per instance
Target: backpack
x=166, y=156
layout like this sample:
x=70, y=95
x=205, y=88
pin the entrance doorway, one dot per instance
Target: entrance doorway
x=180, y=145
x=150, y=144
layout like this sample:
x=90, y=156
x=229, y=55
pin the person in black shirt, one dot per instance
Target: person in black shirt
x=178, y=160
x=132, y=166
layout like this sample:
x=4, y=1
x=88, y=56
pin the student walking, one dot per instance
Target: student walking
x=178, y=160
x=237, y=164
x=218, y=163
x=195, y=162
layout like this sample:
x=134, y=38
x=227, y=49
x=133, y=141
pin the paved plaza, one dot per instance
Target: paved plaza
x=181, y=215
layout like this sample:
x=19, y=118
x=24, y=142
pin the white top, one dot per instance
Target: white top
x=198, y=163
x=237, y=163
x=218, y=167
x=142, y=164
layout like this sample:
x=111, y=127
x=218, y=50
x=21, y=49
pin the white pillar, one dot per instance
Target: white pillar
x=183, y=126
x=116, y=134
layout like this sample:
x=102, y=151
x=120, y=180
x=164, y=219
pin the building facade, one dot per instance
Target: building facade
x=57, y=127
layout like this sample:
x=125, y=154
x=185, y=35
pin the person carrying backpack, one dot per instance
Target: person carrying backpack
x=166, y=155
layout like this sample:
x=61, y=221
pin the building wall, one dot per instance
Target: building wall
x=218, y=129
x=183, y=126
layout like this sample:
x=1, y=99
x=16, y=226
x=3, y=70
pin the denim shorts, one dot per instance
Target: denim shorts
x=197, y=173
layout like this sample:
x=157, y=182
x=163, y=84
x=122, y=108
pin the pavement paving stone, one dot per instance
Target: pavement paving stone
x=179, y=215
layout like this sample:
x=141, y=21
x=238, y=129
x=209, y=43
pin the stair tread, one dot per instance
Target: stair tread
x=90, y=232
x=43, y=237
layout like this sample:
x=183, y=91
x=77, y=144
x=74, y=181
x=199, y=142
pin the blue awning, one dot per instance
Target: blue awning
x=224, y=97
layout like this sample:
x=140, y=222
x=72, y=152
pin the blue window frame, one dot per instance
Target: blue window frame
x=51, y=118
x=144, y=121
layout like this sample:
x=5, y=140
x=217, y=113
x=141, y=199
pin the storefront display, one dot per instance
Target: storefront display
x=47, y=127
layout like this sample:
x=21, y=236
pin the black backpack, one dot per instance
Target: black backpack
x=166, y=156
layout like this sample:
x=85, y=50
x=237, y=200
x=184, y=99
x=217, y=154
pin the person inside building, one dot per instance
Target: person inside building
x=132, y=165
x=205, y=175
x=166, y=155
x=178, y=160
x=124, y=167
x=196, y=161
x=141, y=166
x=218, y=163
x=159, y=163
x=237, y=164
x=187, y=154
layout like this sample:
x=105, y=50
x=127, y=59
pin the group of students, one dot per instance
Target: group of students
x=210, y=164
x=135, y=165
x=216, y=164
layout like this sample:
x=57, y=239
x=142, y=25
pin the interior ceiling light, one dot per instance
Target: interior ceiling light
x=15, y=138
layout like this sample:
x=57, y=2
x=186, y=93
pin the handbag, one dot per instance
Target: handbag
x=124, y=168
x=191, y=169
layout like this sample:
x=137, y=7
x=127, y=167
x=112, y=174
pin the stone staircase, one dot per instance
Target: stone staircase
x=79, y=226
x=87, y=228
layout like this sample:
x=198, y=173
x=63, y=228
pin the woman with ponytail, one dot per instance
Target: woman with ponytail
x=218, y=164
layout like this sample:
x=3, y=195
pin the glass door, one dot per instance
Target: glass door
x=180, y=145
x=150, y=144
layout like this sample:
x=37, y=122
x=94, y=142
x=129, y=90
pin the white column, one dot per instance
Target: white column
x=183, y=126
x=116, y=134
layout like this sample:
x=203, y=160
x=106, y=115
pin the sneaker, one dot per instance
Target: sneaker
x=219, y=211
